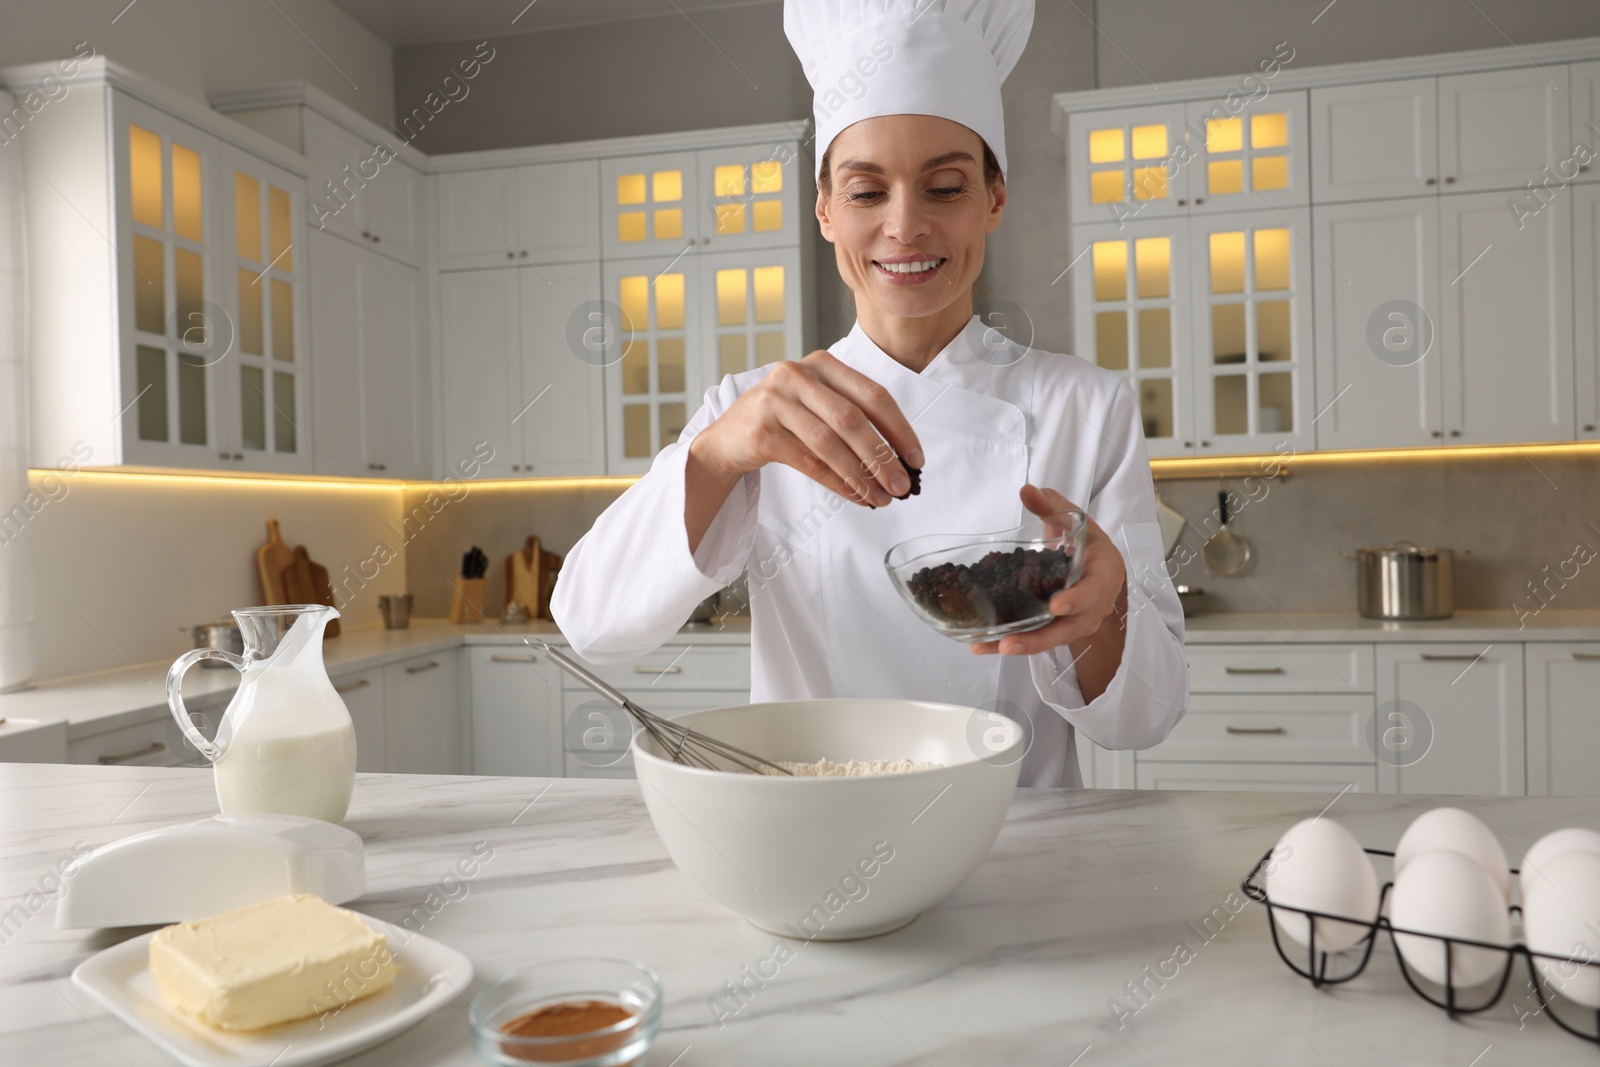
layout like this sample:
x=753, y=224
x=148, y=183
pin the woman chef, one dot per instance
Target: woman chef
x=789, y=472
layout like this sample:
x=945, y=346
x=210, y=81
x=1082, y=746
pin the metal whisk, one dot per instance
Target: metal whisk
x=684, y=745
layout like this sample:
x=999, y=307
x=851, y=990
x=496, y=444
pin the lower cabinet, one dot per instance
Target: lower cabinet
x=516, y=712
x=27, y=741
x=148, y=744
x=1468, y=700
x=422, y=715
x=362, y=693
x=1563, y=719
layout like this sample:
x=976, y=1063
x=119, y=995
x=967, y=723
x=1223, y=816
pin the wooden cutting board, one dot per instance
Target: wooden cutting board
x=322, y=588
x=271, y=561
x=306, y=582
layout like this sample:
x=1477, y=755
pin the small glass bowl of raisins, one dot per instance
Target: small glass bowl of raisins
x=980, y=587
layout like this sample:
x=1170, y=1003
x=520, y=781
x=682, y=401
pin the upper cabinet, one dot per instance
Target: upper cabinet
x=743, y=196
x=1375, y=140
x=167, y=296
x=1225, y=155
x=361, y=191
x=1499, y=129
x=502, y=216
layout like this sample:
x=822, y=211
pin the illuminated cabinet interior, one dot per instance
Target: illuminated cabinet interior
x=167, y=287
x=1349, y=258
x=706, y=259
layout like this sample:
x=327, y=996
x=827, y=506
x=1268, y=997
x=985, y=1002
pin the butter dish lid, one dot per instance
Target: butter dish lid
x=198, y=869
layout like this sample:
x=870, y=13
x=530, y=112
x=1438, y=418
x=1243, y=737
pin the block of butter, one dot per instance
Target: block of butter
x=269, y=963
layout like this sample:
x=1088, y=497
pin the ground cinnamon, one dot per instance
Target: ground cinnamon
x=572, y=1018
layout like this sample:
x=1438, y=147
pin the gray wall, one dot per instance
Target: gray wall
x=637, y=76
x=206, y=46
x=1169, y=40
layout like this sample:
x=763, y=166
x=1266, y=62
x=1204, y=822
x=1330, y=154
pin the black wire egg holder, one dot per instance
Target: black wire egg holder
x=1316, y=965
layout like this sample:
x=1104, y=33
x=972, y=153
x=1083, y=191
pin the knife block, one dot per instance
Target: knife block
x=466, y=599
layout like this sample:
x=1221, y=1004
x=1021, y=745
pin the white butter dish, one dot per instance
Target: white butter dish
x=199, y=869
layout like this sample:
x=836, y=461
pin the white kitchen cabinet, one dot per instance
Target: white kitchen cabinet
x=1563, y=720
x=1499, y=128
x=1375, y=140
x=422, y=713
x=516, y=712
x=1248, y=156
x=359, y=190
x=650, y=206
x=167, y=304
x=146, y=744
x=1276, y=728
x=1472, y=699
x=687, y=321
x=1586, y=305
x=368, y=323
x=1131, y=316
x=1377, y=360
x=513, y=375
x=1123, y=164
x=30, y=741
x=1329, y=778
x=1505, y=329
x=1209, y=319
x=1250, y=281
x=362, y=693
x=1585, y=109
x=538, y=213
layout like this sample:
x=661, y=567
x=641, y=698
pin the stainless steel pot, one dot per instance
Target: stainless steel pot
x=223, y=635
x=1404, y=581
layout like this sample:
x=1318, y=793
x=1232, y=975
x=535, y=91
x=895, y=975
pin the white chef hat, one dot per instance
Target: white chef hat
x=866, y=58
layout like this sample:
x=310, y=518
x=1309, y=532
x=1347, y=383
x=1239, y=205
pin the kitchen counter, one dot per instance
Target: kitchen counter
x=1301, y=627
x=93, y=703
x=1084, y=897
x=107, y=700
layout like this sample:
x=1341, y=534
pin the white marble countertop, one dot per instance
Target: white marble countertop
x=108, y=700
x=1083, y=891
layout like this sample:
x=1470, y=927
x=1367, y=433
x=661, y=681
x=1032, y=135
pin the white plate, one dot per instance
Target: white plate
x=430, y=974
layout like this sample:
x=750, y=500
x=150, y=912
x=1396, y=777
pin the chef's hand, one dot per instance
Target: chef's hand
x=827, y=421
x=1090, y=613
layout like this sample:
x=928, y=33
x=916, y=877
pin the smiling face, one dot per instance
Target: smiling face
x=907, y=207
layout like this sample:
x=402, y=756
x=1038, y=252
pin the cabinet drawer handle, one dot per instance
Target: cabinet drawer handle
x=1257, y=730
x=360, y=683
x=513, y=659
x=658, y=670
x=1435, y=657
x=1575, y=655
x=1252, y=670
x=419, y=668
x=123, y=757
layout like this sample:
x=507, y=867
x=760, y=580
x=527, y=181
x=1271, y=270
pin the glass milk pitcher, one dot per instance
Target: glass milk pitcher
x=286, y=743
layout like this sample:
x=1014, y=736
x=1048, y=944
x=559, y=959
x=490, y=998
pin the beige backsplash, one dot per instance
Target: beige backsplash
x=1518, y=516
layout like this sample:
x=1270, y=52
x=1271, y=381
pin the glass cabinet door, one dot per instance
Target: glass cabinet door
x=1127, y=163
x=750, y=309
x=653, y=380
x=649, y=205
x=750, y=196
x=1248, y=156
x=1129, y=317
x=1252, y=332
x=268, y=380
x=169, y=265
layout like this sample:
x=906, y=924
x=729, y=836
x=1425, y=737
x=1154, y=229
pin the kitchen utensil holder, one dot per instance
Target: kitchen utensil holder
x=466, y=599
x=1316, y=962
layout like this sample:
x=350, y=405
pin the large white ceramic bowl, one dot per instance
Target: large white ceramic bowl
x=835, y=858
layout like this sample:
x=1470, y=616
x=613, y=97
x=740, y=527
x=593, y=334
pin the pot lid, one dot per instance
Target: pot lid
x=1407, y=548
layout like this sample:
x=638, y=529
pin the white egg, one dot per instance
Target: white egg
x=1445, y=893
x=1562, y=917
x=1458, y=831
x=1555, y=843
x=1318, y=866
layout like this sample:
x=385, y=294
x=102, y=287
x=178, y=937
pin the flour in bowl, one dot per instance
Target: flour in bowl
x=824, y=768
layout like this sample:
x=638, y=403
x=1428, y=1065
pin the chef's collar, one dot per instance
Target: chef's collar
x=866, y=58
x=970, y=353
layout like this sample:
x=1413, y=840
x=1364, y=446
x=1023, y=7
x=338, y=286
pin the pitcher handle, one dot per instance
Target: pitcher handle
x=192, y=733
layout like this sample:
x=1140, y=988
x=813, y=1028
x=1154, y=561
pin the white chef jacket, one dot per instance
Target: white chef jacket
x=826, y=620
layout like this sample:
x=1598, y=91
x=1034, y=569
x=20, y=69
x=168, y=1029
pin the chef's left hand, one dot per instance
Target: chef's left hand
x=1093, y=601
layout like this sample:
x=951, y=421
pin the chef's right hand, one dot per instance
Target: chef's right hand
x=826, y=420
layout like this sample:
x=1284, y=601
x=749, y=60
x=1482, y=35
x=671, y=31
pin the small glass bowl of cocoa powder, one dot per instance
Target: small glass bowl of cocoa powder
x=576, y=1012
